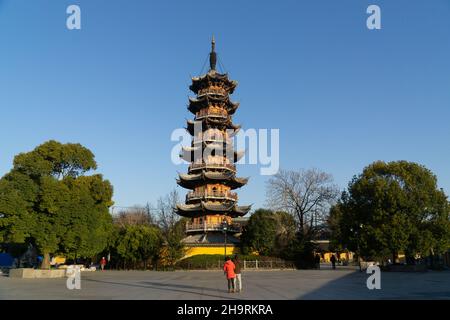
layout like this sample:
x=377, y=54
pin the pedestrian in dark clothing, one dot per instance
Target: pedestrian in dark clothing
x=237, y=271
x=333, y=261
x=317, y=261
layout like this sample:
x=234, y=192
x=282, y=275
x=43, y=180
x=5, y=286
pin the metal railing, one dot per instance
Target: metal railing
x=245, y=264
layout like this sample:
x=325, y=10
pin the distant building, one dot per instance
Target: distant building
x=322, y=246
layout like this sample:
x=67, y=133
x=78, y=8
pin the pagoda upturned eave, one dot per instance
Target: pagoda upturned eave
x=191, y=154
x=199, y=209
x=208, y=122
x=191, y=181
x=213, y=76
x=206, y=100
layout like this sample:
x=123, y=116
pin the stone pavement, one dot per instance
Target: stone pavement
x=258, y=285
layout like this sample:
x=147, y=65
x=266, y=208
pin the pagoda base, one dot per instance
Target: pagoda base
x=212, y=243
x=211, y=250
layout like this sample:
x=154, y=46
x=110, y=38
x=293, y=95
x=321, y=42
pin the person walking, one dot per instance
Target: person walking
x=237, y=271
x=103, y=263
x=333, y=261
x=228, y=270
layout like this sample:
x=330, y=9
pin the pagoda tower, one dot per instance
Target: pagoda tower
x=211, y=203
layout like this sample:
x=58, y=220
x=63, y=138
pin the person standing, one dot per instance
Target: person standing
x=317, y=261
x=103, y=263
x=237, y=271
x=333, y=261
x=228, y=269
x=39, y=261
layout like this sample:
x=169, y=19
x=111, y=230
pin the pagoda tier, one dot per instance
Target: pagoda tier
x=211, y=122
x=194, y=180
x=213, y=83
x=194, y=154
x=202, y=208
x=195, y=105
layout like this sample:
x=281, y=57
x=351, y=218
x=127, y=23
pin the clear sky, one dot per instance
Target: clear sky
x=342, y=96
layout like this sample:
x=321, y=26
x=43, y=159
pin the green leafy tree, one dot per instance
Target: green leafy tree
x=88, y=223
x=17, y=196
x=46, y=200
x=139, y=243
x=260, y=232
x=268, y=232
x=301, y=251
x=390, y=208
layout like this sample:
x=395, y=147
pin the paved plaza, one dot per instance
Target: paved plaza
x=259, y=285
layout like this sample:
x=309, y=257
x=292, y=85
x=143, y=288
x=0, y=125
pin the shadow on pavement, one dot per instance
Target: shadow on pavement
x=394, y=286
x=167, y=287
x=349, y=286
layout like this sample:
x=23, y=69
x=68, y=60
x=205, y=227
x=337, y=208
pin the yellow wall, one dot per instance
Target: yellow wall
x=59, y=260
x=342, y=256
x=349, y=256
x=193, y=251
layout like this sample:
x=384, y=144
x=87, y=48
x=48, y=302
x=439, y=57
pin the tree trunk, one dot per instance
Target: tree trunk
x=46, y=261
x=300, y=217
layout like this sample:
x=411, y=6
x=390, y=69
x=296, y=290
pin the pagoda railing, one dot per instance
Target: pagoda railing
x=192, y=227
x=196, y=166
x=206, y=91
x=215, y=113
x=212, y=194
x=216, y=139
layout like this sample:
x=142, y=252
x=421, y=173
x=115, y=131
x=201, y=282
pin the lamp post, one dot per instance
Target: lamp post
x=224, y=229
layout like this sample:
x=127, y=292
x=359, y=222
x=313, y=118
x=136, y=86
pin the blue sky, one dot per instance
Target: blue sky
x=342, y=96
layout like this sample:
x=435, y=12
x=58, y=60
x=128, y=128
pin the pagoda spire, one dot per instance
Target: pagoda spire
x=213, y=55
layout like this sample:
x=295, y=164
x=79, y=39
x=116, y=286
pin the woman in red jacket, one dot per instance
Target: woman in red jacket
x=228, y=269
x=103, y=263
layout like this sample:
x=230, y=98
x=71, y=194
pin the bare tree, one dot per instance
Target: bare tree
x=172, y=228
x=136, y=215
x=306, y=194
x=167, y=217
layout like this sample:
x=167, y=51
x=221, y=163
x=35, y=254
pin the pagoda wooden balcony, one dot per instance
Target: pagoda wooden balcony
x=198, y=166
x=213, y=139
x=195, y=195
x=192, y=227
x=211, y=113
x=212, y=91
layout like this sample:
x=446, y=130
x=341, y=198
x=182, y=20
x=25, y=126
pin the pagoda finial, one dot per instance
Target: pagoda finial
x=213, y=55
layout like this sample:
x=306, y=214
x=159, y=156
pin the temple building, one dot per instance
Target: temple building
x=211, y=204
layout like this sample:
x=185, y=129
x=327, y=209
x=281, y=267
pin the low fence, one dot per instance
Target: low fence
x=245, y=265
